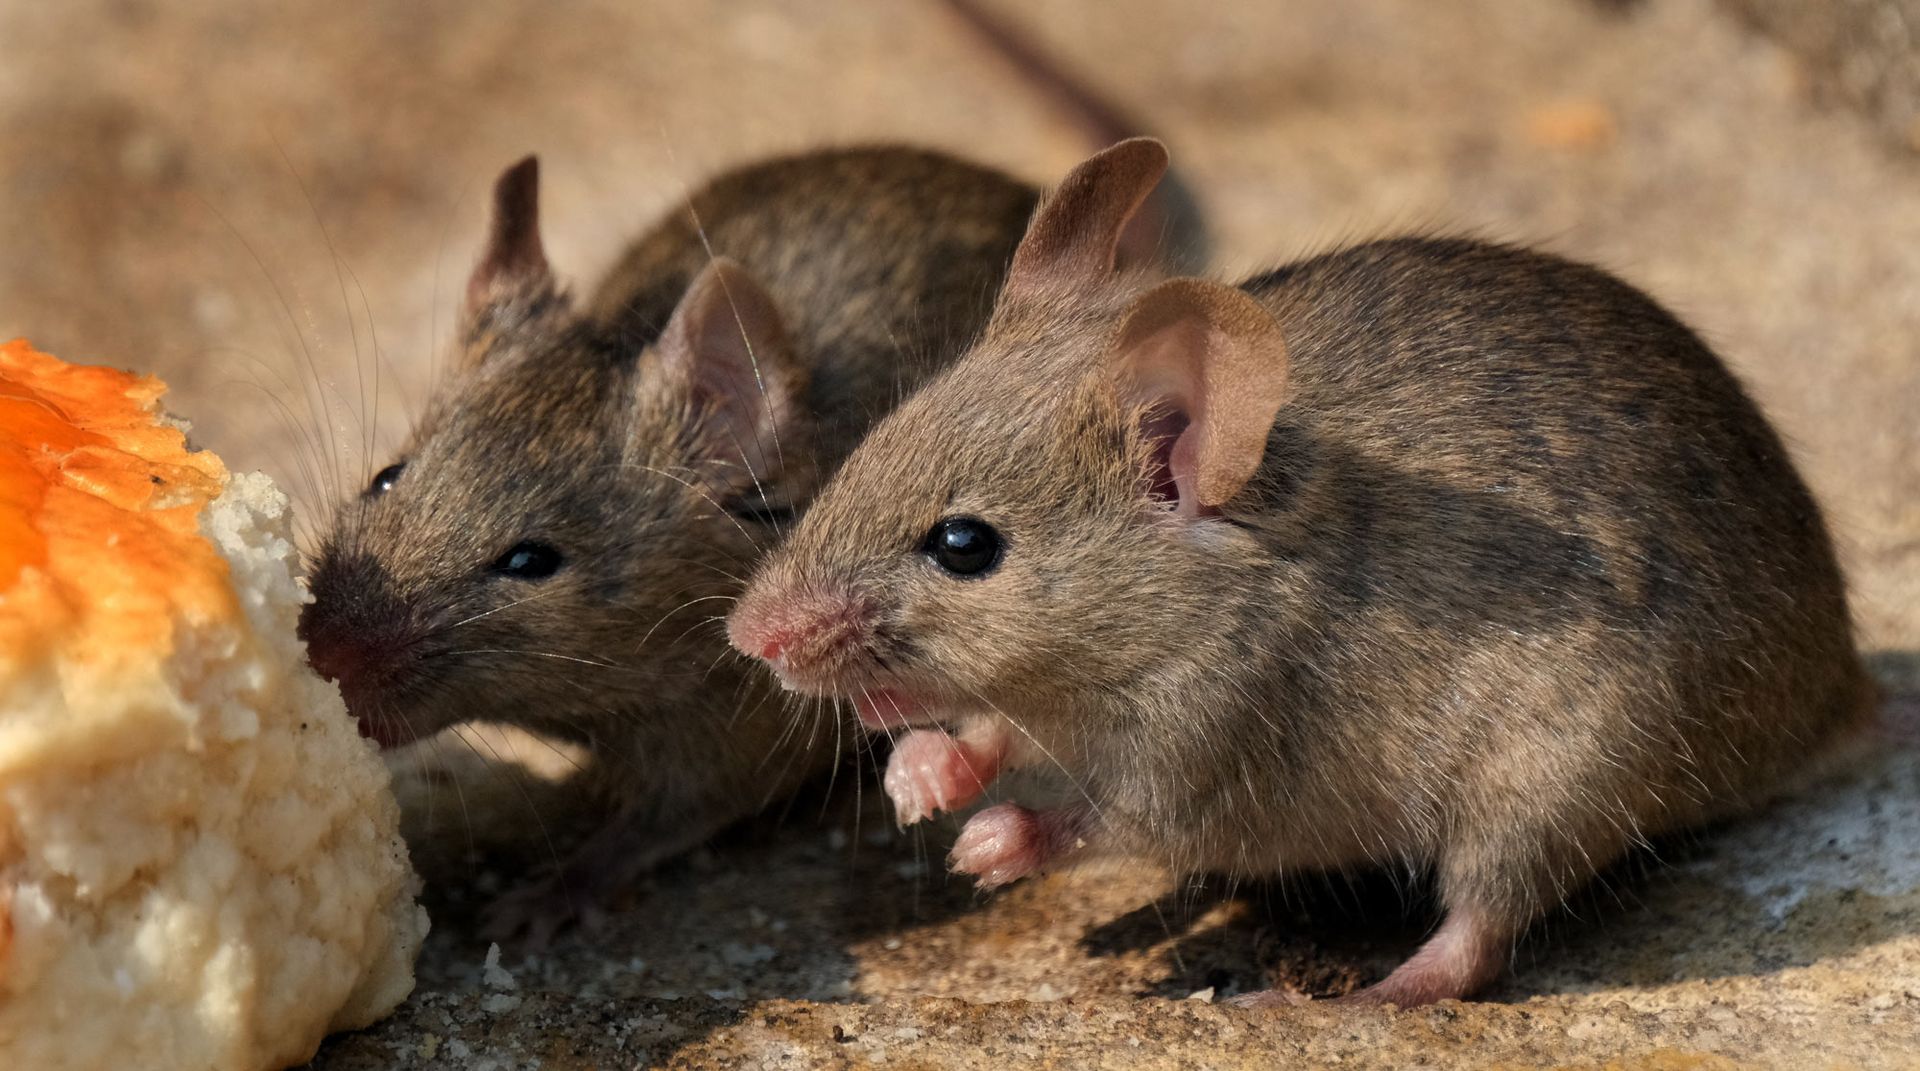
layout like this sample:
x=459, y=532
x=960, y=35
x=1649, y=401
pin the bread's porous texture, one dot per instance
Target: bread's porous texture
x=200, y=863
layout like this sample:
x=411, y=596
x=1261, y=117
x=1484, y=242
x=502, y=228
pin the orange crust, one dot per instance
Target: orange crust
x=100, y=546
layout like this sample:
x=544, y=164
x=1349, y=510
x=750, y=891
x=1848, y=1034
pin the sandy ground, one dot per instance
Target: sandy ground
x=273, y=208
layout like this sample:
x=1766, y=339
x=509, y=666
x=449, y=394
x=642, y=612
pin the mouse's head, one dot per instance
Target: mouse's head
x=545, y=543
x=1046, y=517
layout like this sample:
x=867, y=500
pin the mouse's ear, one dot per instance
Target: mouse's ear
x=514, y=264
x=1077, y=230
x=1208, y=364
x=726, y=346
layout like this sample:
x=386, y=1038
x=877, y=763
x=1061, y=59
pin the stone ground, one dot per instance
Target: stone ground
x=254, y=205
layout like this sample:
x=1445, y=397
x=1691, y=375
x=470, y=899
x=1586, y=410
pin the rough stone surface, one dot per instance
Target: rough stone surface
x=1790, y=937
x=250, y=200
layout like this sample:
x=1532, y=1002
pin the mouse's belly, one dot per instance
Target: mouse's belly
x=1255, y=823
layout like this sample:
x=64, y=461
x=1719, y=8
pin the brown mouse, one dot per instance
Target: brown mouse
x=1427, y=554
x=588, y=490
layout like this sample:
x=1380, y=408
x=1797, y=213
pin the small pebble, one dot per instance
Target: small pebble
x=494, y=975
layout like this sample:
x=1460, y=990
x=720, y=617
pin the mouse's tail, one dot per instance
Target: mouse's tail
x=1170, y=225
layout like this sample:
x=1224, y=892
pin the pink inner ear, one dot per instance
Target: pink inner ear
x=1165, y=367
x=1162, y=429
x=1217, y=356
x=725, y=380
x=726, y=338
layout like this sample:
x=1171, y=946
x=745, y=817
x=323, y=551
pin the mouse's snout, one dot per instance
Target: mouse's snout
x=362, y=662
x=331, y=652
x=355, y=637
x=806, y=635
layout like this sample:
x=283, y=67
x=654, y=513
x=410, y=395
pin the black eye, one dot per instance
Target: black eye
x=528, y=561
x=383, y=480
x=964, y=546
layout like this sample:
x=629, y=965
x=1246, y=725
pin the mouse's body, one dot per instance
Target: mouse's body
x=1425, y=554
x=588, y=489
x=574, y=509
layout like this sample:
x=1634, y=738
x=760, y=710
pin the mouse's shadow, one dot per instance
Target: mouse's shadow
x=1322, y=935
x=796, y=887
x=1326, y=935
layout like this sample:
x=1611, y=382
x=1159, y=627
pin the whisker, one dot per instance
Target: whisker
x=489, y=613
x=536, y=654
x=379, y=359
x=753, y=359
x=317, y=412
x=677, y=609
x=1068, y=774
x=333, y=255
x=514, y=773
x=439, y=260
x=718, y=508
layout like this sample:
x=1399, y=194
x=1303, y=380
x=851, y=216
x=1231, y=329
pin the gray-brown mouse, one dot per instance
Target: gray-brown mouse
x=574, y=506
x=1427, y=554
x=590, y=486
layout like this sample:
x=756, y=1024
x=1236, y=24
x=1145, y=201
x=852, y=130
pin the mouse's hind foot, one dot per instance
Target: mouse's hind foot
x=1463, y=956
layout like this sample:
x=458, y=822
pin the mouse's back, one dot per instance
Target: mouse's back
x=1435, y=555
x=883, y=261
x=1490, y=442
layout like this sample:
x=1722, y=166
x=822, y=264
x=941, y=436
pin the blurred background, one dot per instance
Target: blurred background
x=271, y=205
x=275, y=207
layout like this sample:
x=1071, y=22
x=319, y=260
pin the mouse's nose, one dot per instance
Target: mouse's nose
x=335, y=653
x=366, y=666
x=359, y=658
x=357, y=634
x=330, y=657
x=800, y=634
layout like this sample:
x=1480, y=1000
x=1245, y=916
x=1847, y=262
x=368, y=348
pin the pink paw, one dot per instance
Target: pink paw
x=1007, y=842
x=931, y=772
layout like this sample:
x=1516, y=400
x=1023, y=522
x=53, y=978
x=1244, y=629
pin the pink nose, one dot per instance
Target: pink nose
x=798, y=632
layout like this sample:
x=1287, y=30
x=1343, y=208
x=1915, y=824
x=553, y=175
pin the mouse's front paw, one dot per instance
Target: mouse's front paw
x=932, y=772
x=527, y=916
x=1007, y=842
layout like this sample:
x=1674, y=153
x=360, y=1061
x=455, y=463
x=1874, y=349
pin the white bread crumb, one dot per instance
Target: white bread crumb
x=200, y=864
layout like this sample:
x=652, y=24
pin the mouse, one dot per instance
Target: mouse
x=1453, y=558
x=590, y=485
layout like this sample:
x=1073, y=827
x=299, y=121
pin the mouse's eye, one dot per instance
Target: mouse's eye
x=963, y=546
x=383, y=480
x=528, y=561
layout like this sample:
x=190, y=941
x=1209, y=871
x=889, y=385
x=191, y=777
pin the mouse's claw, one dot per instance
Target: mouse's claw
x=931, y=772
x=580, y=889
x=527, y=917
x=1007, y=842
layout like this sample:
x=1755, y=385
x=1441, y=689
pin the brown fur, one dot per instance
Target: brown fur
x=606, y=432
x=1521, y=578
x=658, y=434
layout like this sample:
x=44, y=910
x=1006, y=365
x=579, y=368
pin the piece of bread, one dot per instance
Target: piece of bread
x=200, y=866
